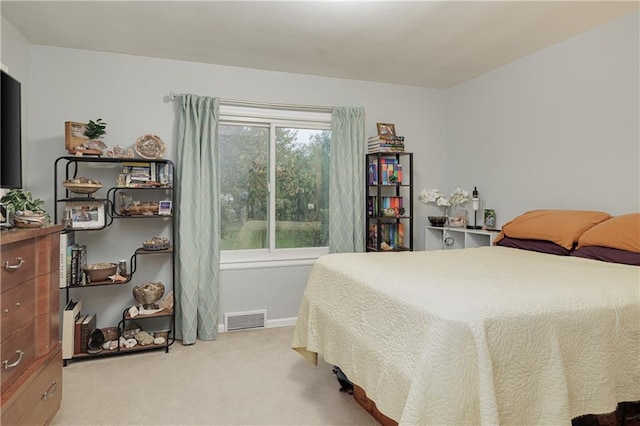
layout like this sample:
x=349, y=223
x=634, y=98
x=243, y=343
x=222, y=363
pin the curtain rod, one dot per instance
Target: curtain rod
x=233, y=102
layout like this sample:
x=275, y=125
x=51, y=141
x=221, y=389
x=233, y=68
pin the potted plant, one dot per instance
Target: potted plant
x=27, y=212
x=95, y=129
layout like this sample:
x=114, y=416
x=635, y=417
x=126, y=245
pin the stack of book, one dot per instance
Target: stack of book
x=145, y=175
x=385, y=143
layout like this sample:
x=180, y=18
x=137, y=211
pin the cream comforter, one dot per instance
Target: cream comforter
x=490, y=335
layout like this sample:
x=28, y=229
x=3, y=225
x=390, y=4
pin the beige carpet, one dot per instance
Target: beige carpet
x=243, y=378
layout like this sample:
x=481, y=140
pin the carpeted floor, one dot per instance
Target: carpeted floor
x=243, y=378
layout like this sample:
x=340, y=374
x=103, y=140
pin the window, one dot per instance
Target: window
x=274, y=183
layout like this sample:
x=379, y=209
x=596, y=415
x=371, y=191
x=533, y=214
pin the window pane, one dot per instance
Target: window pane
x=302, y=187
x=244, y=172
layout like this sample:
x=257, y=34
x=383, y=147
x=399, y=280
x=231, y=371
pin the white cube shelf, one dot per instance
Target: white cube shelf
x=439, y=238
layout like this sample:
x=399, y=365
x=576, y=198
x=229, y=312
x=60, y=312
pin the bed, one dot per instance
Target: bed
x=489, y=335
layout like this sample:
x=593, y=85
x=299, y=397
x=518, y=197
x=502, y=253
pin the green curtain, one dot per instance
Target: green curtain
x=198, y=233
x=346, y=183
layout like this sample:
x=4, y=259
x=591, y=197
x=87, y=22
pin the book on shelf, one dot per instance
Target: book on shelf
x=70, y=314
x=390, y=172
x=78, y=260
x=88, y=325
x=67, y=240
x=393, y=234
x=77, y=347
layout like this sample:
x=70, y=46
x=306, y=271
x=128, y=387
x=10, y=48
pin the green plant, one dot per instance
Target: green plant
x=95, y=129
x=18, y=200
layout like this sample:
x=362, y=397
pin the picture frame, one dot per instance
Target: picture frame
x=386, y=129
x=74, y=135
x=86, y=214
x=489, y=219
x=164, y=208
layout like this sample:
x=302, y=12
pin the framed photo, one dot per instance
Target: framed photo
x=74, y=135
x=386, y=129
x=164, y=209
x=86, y=214
x=489, y=218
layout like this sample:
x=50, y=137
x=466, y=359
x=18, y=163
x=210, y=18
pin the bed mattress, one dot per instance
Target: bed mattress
x=488, y=335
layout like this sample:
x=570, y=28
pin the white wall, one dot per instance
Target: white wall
x=557, y=129
x=129, y=93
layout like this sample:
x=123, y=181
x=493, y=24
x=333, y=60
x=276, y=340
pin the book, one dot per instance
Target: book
x=69, y=316
x=386, y=138
x=78, y=260
x=77, y=333
x=67, y=240
x=88, y=325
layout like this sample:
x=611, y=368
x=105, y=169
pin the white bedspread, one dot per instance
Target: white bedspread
x=489, y=335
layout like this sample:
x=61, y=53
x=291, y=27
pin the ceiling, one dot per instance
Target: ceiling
x=436, y=44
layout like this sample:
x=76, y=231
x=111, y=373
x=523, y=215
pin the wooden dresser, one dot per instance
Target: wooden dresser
x=31, y=360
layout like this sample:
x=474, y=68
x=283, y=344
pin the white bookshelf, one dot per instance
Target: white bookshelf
x=439, y=238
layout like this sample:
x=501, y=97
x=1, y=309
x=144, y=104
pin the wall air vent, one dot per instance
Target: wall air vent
x=245, y=320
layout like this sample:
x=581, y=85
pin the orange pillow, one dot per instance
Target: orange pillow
x=562, y=227
x=621, y=232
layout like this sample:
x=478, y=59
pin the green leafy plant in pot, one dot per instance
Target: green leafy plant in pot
x=27, y=211
x=95, y=129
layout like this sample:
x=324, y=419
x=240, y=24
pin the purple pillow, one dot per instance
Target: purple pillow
x=541, y=246
x=608, y=254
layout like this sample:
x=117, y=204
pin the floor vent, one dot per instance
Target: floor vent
x=244, y=320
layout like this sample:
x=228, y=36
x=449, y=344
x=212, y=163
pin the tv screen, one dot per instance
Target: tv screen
x=10, y=134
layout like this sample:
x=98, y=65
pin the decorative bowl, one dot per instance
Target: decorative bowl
x=82, y=188
x=437, y=220
x=29, y=219
x=82, y=185
x=100, y=271
x=148, y=294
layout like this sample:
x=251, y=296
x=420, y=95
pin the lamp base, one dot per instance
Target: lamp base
x=473, y=227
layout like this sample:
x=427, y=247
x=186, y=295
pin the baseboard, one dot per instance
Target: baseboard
x=273, y=323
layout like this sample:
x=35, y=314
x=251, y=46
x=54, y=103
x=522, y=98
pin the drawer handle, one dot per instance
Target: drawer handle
x=7, y=266
x=50, y=392
x=6, y=364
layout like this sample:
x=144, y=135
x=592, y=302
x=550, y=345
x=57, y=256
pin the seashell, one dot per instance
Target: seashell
x=158, y=340
x=96, y=144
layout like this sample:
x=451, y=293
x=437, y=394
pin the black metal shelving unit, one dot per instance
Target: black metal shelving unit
x=68, y=167
x=375, y=237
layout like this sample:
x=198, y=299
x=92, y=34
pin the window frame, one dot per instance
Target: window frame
x=272, y=118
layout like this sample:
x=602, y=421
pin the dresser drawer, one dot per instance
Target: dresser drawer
x=22, y=340
x=13, y=271
x=38, y=402
x=17, y=308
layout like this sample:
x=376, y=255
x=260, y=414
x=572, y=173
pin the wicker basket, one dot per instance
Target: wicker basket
x=156, y=247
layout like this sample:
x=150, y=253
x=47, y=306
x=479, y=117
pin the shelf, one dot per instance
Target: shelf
x=162, y=313
x=142, y=216
x=143, y=251
x=447, y=237
x=155, y=192
x=122, y=351
x=101, y=283
x=83, y=159
x=393, y=191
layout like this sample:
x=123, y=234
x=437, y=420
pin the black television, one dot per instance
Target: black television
x=10, y=133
